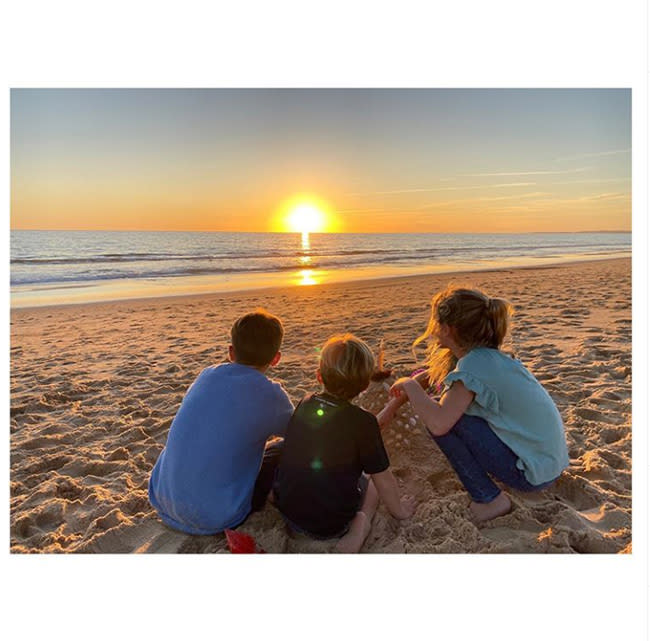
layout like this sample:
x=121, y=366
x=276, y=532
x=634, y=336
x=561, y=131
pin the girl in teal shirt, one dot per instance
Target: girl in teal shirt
x=494, y=420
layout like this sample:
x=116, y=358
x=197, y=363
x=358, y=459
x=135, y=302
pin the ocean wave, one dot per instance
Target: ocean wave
x=45, y=277
x=59, y=257
x=235, y=255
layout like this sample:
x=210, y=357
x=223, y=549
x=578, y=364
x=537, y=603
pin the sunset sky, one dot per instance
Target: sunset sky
x=404, y=160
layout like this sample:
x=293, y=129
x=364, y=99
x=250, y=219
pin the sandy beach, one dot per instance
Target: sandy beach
x=94, y=389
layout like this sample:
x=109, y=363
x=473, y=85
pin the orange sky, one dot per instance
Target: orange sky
x=376, y=160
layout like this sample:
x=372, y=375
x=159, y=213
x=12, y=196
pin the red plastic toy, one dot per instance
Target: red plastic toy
x=240, y=543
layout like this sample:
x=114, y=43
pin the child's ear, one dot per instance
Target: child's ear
x=319, y=376
x=276, y=359
x=231, y=353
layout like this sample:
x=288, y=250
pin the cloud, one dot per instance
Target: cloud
x=532, y=194
x=593, y=154
x=534, y=173
x=370, y=211
x=538, y=198
x=512, y=184
x=606, y=196
x=434, y=189
x=591, y=180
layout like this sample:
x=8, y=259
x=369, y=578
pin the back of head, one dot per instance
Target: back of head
x=256, y=338
x=476, y=319
x=346, y=364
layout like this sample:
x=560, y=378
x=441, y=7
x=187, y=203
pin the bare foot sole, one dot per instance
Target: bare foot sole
x=352, y=542
x=496, y=507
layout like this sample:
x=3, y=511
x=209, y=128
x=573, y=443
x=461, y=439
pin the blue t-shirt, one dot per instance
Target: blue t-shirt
x=203, y=480
x=517, y=408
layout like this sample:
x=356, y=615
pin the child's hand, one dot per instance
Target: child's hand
x=397, y=389
x=408, y=505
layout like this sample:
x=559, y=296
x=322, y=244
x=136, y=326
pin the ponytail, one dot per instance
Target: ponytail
x=499, y=311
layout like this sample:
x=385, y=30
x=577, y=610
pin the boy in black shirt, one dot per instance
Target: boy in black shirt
x=330, y=445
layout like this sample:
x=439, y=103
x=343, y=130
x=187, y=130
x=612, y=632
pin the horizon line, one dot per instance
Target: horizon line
x=229, y=231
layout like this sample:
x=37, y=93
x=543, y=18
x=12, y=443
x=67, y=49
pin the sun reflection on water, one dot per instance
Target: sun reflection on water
x=307, y=277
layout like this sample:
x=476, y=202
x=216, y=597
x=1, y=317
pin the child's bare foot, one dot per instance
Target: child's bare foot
x=353, y=540
x=496, y=507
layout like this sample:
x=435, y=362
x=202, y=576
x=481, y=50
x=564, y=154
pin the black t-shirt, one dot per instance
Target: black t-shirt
x=328, y=444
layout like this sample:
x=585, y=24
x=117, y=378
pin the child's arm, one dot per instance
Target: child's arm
x=387, y=414
x=389, y=493
x=438, y=417
x=423, y=379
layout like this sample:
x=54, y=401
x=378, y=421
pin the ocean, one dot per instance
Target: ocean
x=59, y=267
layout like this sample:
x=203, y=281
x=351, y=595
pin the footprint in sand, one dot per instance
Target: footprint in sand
x=92, y=468
x=68, y=489
x=119, y=454
x=594, y=415
x=577, y=492
x=47, y=463
x=614, y=460
x=41, y=442
x=611, y=434
x=546, y=512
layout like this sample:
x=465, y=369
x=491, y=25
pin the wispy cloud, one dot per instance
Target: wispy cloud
x=511, y=185
x=533, y=199
x=591, y=180
x=436, y=189
x=370, y=211
x=483, y=199
x=606, y=196
x=532, y=194
x=400, y=191
x=595, y=154
x=533, y=173
x=581, y=200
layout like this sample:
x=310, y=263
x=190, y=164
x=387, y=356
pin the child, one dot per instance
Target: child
x=214, y=469
x=494, y=418
x=320, y=487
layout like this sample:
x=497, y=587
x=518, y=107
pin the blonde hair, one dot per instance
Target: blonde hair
x=346, y=364
x=476, y=320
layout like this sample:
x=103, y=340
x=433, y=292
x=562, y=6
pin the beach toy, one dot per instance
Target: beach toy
x=380, y=373
x=240, y=543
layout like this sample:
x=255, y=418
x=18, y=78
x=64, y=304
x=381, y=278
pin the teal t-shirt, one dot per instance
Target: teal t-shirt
x=517, y=408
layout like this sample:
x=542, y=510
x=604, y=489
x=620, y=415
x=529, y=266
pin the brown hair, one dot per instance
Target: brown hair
x=256, y=338
x=346, y=364
x=476, y=320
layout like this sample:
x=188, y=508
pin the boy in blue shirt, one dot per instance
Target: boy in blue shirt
x=215, y=468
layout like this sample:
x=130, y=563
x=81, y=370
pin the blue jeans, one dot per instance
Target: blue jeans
x=476, y=453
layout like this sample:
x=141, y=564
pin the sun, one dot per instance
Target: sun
x=305, y=218
x=304, y=214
